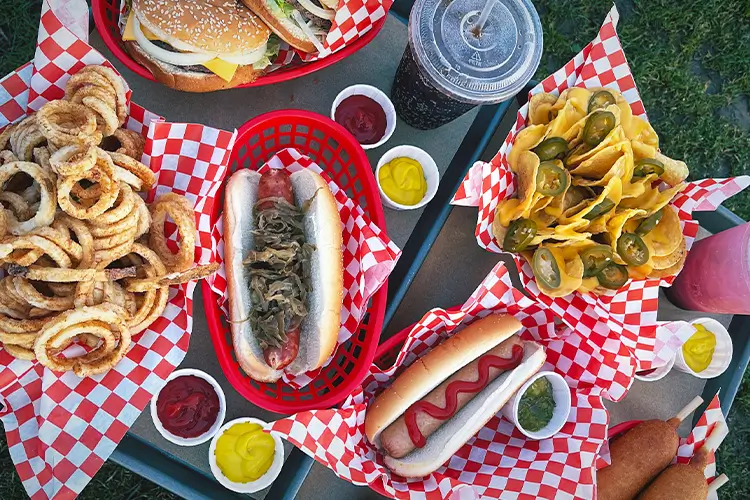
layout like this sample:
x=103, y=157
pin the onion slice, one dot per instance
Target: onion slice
x=174, y=58
x=245, y=58
x=317, y=11
x=306, y=29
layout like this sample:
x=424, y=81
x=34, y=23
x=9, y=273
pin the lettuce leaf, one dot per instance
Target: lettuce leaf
x=272, y=50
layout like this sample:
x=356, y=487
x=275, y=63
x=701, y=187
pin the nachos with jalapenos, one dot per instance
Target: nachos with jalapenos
x=592, y=206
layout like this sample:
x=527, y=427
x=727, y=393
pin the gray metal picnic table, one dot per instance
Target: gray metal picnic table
x=440, y=266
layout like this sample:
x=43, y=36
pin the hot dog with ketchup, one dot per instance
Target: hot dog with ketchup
x=283, y=258
x=439, y=402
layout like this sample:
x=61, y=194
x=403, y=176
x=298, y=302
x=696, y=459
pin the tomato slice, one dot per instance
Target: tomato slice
x=632, y=249
x=595, y=259
x=551, y=179
x=545, y=268
x=613, y=276
x=519, y=235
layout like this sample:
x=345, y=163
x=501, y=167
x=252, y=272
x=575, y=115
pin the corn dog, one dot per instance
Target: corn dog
x=639, y=455
x=686, y=481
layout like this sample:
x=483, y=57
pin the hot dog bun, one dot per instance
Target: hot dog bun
x=430, y=371
x=319, y=330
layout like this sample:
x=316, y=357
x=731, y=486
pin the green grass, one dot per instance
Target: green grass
x=691, y=60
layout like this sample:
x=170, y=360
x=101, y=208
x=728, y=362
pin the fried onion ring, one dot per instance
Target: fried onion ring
x=179, y=208
x=73, y=160
x=194, y=273
x=58, y=275
x=137, y=169
x=102, y=174
x=64, y=122
x=19, y=352
x=35, y=298
x=47, y=204
x=127, y=142
x=66, y=223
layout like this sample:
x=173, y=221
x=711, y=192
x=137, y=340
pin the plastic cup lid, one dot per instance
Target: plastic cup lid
x=484, y=69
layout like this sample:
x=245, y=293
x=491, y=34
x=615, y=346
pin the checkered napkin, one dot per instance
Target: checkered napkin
x=61, y=428
x=622, y=323
x=353, y=19
x=369, y=256
x=499, y=462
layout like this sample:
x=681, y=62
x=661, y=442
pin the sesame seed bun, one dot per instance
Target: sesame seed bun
x=285, y=28
x=223, y=26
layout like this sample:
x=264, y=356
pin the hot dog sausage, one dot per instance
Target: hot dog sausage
x=277, y=184
x=638, y=456
x=274, y=184
x=396, y=439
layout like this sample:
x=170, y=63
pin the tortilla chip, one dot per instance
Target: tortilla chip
x=577, y=157
x=612, y=191
x=565, y=119
x=675, y=171
x=571, y=274
x=645, y=200
x=673, y=258
x=669, y=271
x=526, y=140
x=614, y=161
x=540, y=108
x=579, y=98
x=615, y=227
x=641, y=150
x=666, y=237
x=506, y=211
x=498, y=230
x=637, y=186
x=663, y=198
x=640, y=272
x=638, y=129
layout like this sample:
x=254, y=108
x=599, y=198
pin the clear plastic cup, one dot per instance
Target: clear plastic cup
x=448, y=67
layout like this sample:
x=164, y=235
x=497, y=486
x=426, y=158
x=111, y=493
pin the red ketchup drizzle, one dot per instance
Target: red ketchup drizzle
x=454, y=389
x=187, y=406
x=363, y=117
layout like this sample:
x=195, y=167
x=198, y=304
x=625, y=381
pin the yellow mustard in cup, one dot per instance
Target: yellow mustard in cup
x=698, y=351
x=402, y=180
x=244, y=452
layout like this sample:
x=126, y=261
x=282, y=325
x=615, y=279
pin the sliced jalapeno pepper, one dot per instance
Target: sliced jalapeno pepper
x=613, y=276
x=601, y=100
x=595, y=259
x=632, y=249
x=597, y=127
x=600, y=209
x=519, y=235
x=552, y=148
x=551, y=179
x=649, y=223
x=646, y=166
x=545, y=268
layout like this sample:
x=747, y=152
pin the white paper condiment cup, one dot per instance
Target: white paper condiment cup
x=561, y=393
x=722, y=353
x=378, y=96
x=219, y=418
x=659, y=373
x=263, y=481
x=429, y=167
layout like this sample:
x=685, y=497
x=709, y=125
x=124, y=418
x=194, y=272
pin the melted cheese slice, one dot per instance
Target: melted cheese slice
x=129, y=34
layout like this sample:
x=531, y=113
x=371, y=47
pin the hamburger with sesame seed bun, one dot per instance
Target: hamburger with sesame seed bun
x=199, y=45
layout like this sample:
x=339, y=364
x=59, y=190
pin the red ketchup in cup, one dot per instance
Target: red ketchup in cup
x=363, y=117
x=187, y=406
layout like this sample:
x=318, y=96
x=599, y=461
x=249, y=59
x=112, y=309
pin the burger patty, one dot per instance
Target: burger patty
x=197, y=68
x=317, y=22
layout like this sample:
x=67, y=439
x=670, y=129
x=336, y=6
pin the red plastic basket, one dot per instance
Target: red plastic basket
x=345, y=162
x=107, y=14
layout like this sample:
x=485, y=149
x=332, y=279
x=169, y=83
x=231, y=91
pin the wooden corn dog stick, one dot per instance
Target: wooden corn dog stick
x=686, y=411
x=717, y=483
x=718, y=434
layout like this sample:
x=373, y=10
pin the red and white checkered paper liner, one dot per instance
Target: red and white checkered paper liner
x=499, y=462
x=60, y=428
x=692, y=443
x=369, y=256
x=624, y=322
